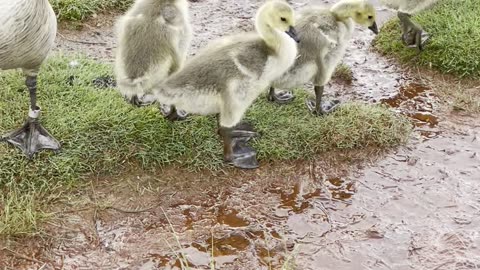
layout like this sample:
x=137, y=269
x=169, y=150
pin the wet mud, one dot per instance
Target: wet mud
x=416, y=208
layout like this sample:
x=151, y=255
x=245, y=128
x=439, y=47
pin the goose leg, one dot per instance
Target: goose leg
x=413, y=35
x=317, y=108
x=235, y=148
x=283, y=97
x=32, y=136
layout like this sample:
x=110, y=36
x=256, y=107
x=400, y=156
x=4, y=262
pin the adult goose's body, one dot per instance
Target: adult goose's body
x=27, y=34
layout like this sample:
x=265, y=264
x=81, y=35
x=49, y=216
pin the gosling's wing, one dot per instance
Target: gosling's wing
x=317, y=29
x=214, y=66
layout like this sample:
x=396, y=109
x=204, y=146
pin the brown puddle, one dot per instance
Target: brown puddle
x=417, y=102
x=405, y=93
x=341, y=190
x=392, y=215
x=230, y=217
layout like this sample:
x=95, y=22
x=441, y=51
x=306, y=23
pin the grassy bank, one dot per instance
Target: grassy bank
x=100, y=134
x=455, y=34
x=78, y=10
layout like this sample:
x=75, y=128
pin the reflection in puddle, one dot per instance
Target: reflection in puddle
x=424, y=118
x=293, y=201
x=230, y=245
x=297, y=203
x=339, y=189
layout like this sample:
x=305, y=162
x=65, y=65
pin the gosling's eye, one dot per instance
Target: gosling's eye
x=283, y=19
x=370, y=17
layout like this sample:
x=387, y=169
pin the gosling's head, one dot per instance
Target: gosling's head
x=361, y=11
x=366, y=16
x=278, y=15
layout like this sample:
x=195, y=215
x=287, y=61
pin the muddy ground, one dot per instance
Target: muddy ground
x=416, y=207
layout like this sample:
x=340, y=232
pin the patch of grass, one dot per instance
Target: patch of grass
x=100, y=133
x=78, y=10
x=19, y=213
x=344, y=73
x=455, y=34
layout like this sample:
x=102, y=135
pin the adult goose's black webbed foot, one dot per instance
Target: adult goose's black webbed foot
x=32, y=136
x=172, y=114
x=236, y=151
x=282, y=97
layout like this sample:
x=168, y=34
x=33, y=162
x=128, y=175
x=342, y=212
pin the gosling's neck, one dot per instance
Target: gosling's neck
x=345, y=9
x=271, y=37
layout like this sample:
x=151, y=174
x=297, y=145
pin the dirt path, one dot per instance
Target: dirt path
x=417, y=208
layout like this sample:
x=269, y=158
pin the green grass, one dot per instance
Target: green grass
x=19, y=213
x=455, y=34
x=78, y=10
x=344, y=73
x=101, y=134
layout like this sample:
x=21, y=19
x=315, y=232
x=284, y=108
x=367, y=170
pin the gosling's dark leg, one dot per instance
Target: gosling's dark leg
x=235, y=149
x=172, y=114
x=317, y=108
x=283, y=97
x=413, y=35
x=32, y=136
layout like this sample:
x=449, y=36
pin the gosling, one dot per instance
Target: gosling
x=324, y=33
x=153, y=37
x=413, y=35
x=27, y=35
x=227, y=76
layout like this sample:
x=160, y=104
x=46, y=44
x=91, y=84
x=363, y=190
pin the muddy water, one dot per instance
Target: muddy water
x=417, y=208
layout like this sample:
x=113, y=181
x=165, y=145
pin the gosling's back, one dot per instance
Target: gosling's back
x=27, y=33
x=240, y=58
x=153, y=39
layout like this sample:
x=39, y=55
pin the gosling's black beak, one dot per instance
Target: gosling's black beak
x=374, y=28
x=293, y=34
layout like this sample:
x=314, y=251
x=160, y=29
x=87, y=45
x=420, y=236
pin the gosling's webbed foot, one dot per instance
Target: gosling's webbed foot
x=138, y=101
x=31, y=138
x=421, y=39
x=413, y=35
x=171, y=113
x=243, y=156
x=236, y=151
x=244, y=131
x=282, y=97
x=324, y=108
